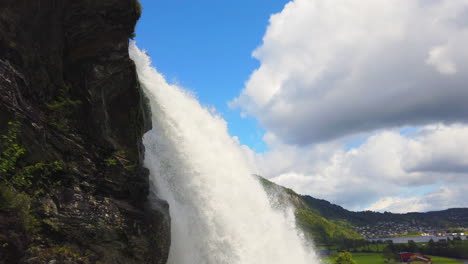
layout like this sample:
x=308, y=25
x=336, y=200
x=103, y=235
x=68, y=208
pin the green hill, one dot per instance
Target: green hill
x=454, y=217
x=315, y=227
x=329, y=223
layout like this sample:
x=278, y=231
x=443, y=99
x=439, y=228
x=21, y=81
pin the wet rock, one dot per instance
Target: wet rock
x=66, y=76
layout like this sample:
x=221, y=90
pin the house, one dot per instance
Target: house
x=409, y=257
x=404, y=256
x=419, y=260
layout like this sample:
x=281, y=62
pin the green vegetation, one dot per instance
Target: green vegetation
x=324, y=232
x=62, y=254
x=62, y=107
x=138, y=11
x=32, y=179
x=410, y=234
x=18, y=205
x=344, y=258
x=331, y=227
x=368, y=258
x=455, y=230
x=455, y=248
x=11, y=151
x=388, y=252
x=138, y=8
x=442, y=260
x=38, y=178
x=119, y=158
x=446, y=218
x=63, y=102
x=20, y=184
x=11, y=201
x=110, y=161
x=376, y=258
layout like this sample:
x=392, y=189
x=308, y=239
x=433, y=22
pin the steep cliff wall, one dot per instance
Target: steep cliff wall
x=73, y=189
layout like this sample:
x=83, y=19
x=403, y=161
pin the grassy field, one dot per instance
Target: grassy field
x=368, y=258
x=362, y=258
x=441, y=260
x=377, y=258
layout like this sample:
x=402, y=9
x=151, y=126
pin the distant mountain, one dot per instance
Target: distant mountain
x=454, y=217
x=328, y=223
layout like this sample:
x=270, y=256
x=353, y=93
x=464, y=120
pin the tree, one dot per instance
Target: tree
x=412, y=247
x=388, y=252
x=431, y=246
x=344, y=258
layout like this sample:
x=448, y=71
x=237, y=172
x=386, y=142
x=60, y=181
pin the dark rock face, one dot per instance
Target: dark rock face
x=66, y=77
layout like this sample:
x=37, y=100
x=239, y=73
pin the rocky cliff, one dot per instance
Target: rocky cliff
x=72, y=115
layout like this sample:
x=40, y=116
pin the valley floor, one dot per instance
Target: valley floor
x=377, y=258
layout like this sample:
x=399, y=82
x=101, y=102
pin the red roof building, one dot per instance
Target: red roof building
x=419, y=260
x=409, y=257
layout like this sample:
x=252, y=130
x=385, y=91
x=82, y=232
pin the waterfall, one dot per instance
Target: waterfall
x=220, y=214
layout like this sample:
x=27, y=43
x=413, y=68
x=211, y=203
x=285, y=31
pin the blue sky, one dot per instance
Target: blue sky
x=348, y=92
x=205, y=46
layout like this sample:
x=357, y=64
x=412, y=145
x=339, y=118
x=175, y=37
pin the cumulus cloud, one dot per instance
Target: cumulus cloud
x=331, y=68
x=451, y=196
x=376, y=174
x=439, y=59
x=439, y=149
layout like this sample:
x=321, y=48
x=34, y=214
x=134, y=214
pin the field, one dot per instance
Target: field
x=376, y=258
x=441, y=260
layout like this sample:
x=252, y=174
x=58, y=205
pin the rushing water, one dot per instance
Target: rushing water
x=220, y=213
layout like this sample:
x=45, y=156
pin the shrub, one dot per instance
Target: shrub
x=11, y=151
x=138, y=8
x=344, y=258
x=37, y=178
x=33, y=179
x=19, y=205
x=62, y=108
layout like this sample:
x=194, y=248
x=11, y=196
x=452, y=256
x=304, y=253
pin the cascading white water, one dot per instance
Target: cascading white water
x=220, y=213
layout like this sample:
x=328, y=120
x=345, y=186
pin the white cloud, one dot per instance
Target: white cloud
x=439, y=59
x=451, y=196
x=399, y=205
x=378, y=172
x=438, y=149
x=331, y=68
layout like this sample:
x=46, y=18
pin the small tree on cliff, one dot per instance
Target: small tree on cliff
x=344, y=258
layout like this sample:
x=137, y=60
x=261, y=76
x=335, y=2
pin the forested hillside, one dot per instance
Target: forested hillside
x=316, y=227
x=329, y=223
x=443, y=219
